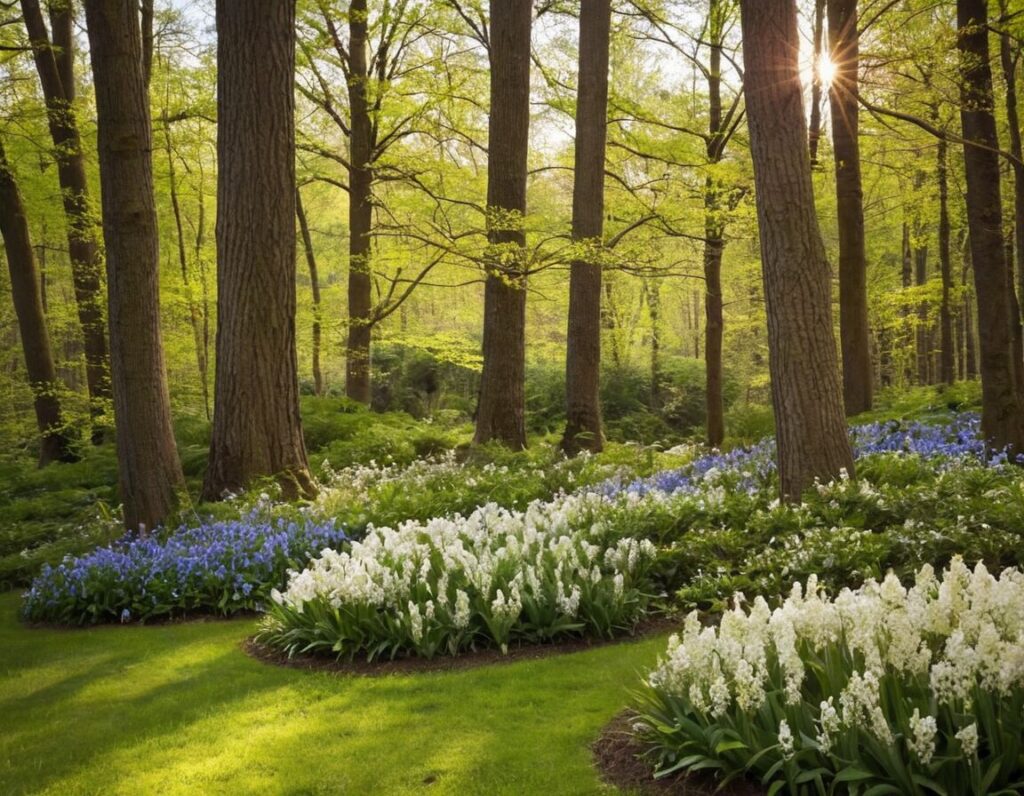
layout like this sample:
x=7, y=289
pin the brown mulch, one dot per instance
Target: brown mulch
x=448, y=663
x=619, y=760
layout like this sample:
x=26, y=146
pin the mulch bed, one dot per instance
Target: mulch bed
x=618, y=757
x=448, y=663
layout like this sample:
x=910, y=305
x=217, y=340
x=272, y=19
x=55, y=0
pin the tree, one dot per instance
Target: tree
x=854, y=333
x=500, y=410
x=150, y=474
x=583, y=354
x=314, y=282
x=28, y=306
x=54, y=63
x=1002, y=418
x=257, y=430
x=806, y=394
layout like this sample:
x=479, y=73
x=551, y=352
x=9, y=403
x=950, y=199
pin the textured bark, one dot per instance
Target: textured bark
x=146, y=13
x=150, y=474
x=970, y=343
x=55, y=67
x=256, y=426
x=814, y=131
x=500, y=411
x=1008, y=60
x=28, y=306
x=854, y=331
x=806, y=391
x=583, y=356
x=714, y=237
x=947, y=370
x=1002, y=419
x=314, y=281
x=360, y=211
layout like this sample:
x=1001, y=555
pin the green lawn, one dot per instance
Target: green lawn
x=181, y=709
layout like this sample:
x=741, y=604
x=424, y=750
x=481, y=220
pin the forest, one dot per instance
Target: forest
x=512, y=396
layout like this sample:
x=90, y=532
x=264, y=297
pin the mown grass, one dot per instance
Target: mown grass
x=181, y=709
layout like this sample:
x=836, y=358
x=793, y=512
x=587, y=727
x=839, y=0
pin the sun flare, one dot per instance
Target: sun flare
x=826, y=70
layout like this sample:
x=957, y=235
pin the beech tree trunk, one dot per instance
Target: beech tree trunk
x=854, y=331
x=1002, y=418
x=55, y=66
x=257, y=430
x=921, y=279
x=28, y=306
x=947, y=369
x=583, y=356
x=500, y=411
x=360, y=212
x=314, y=281
x=807, y=394
x=150, y=473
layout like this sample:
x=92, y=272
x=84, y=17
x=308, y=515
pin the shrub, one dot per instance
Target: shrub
x=883, y=690
x=218, y=567
x=494, y=578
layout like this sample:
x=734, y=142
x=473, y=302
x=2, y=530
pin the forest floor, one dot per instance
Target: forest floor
x=180, y=708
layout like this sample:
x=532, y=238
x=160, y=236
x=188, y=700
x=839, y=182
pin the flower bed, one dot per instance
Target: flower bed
x=881, y=690
x=219, y=567
x=494, y=578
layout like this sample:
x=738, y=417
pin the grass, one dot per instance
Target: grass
x=181, y=709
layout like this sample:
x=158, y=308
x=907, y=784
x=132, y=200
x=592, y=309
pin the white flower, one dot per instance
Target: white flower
x=785, y=739
x=922, y=743
x=968, y=738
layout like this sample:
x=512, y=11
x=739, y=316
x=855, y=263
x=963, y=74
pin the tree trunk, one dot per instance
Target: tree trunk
x=1008, y=60
x=714, y=240
x=583, y=355
x=854, y=332
x=360, y=212
x=55, y=67
x=257, y=430
x=500, y=411
x=146, y=12
x=150, y=474
x=807, y=394
x=1002, y=420
x=814, y=133
x=921, y=279
x=947, y=371
x=314, y=281
x=28, y=306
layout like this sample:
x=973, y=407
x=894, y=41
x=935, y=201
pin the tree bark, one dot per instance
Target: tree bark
x=814, y=133
x=854, y=331
x=583, y=356
x=1002, y=419
x=807, y=394
x=1008, y=60
x=947, y=370
x=257, y=430
x=360, y=212
x=314, y=281
x=920, y=280
x=55, y=66
x=500, y=411
x=150, y=473
x=28, y=306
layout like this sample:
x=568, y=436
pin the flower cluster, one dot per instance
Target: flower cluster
x=884, y=685
x=219, y=567
x=492, y=578
x=753, y=467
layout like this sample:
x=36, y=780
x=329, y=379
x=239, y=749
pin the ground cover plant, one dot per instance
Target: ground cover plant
x=493, y=578
x=880, y=690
